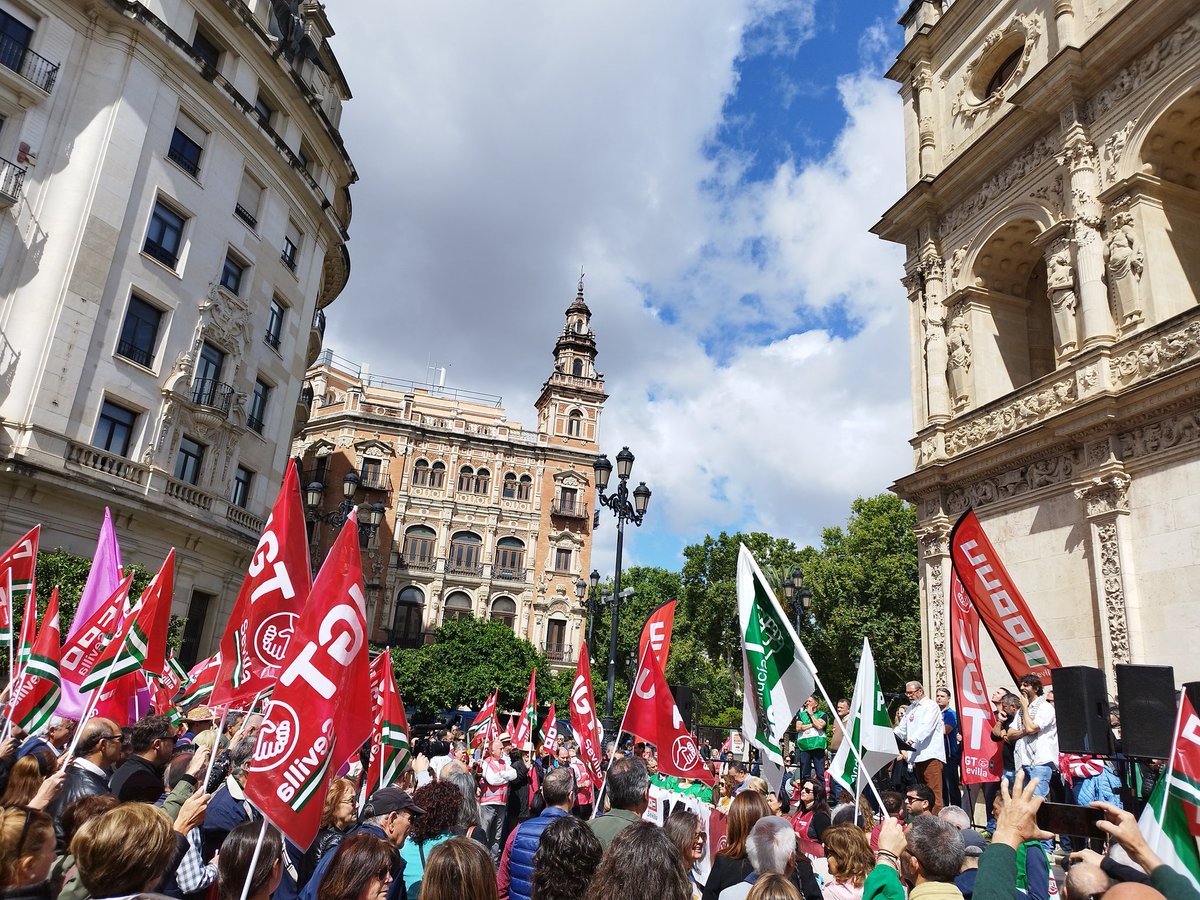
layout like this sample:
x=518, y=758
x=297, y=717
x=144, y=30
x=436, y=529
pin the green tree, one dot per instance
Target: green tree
x=864, y=583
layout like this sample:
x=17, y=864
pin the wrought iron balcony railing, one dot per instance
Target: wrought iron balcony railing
x=212, y=393
x=31, y=66
x=569, y=509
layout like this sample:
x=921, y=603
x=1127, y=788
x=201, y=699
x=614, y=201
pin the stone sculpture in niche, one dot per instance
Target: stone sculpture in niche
x=1124, y=261
x=958, y=345
x=1060, y=289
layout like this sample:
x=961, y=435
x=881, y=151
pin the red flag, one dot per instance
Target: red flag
x=199, y=683
x=319, y=715
x=527, y=724
x=484, y=727
x=116, y=700
x=38, y=687
x=981, y=754
x=653, y=716
x=549, y=736
x=268, y=605
x=17, y=566
x=1005, y=614
x=508, y=729
x=583, y=717
x=389, y=740
x=141, y=642
x=81, y=652
x=656, y=633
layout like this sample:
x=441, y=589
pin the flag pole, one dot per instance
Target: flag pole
x=599, y=803
x=12, y=621
x=854, y=750
x=262, y=834
x=214, y=750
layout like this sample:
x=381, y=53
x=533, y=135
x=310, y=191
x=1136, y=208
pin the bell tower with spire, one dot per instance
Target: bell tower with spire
x=573, y=396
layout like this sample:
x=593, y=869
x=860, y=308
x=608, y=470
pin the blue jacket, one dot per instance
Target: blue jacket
x=524, y=845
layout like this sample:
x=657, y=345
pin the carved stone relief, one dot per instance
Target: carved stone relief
x=1015, y=481
x=1060, y=289
x=1111, y=150
x=1164, y=434
x=958, y=345
x=968, y=103
x=1146, y=66
x=936, y=546
x=1114, y=591
x=1013, y=416
x=1025, y=163
x=1157, y=355
x=1105, y=494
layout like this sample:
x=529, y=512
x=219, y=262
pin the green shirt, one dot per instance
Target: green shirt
x=804, y=722
x=609, y=825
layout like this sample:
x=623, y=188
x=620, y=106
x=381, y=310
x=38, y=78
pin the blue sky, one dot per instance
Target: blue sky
x=715, y=174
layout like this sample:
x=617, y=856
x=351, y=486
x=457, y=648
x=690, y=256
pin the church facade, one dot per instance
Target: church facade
x=1052, y=228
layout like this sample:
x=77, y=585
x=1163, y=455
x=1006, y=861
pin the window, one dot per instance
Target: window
x=556, y=639
x=437, y=475
x=562, y=559
x=567, y=500
x=458, y=608
x=206, y=384
x=275, y=323
x=189, y=460
x=420, y=475
x=14, y=41
x=509, y=491
x=291, y=246
x=164, y=237
x=265, y=109
x=577, y=367
x=466, y=479
x=420, y=543
x=305, y=156
x=372, y=476
x=510, y=559
x=206, y=48
x=139, y=332
x=249, y=198
x=575, y=423
x=114, y=428
x=406, y=625
x=258, y=405
x=187, y=143
x=524, y=488
x=1005, y=72
x=483, y=482
x=242, y=479
x=193, y=627
x=504, y=610
x=465, y=554
x=231, y=274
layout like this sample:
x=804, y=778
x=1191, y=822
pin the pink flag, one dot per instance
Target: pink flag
x=103, y=579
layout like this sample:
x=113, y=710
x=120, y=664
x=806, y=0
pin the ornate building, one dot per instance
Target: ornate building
x=174, y=199
x=1052, y=223
x=480, y=517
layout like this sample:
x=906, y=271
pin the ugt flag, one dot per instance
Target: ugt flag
x=653, y=716
x=584, y=723
x=484, y=727
x=548, y=736
x=779, y=675
x=318, y=716
x=1171, y=819
x=870, y=730
x=17, y=566
x=981, y=753
x=39, y=685
x=656, y=633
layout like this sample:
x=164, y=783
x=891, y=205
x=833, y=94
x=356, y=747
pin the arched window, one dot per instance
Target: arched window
x=420, y=547
x=510, y=559
x=556, y=639
x=504, y=610
x=407, y=620
x=437, y=475
x=458, y=608
x=577, y=367
x=483, y=481
x=466, y=478
x=466, y=554
x=575, y=423
x=420, y=475
x=525, y=488
x=509, y=491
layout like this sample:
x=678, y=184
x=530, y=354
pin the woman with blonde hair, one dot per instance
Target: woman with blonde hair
x=125, y=851
x=459, y=869
x=848, y=852
x=774, y=886
x=26, y=853
x=337, y=818
x=26, y=777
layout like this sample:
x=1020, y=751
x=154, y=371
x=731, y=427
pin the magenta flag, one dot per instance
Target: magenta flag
x=103, y=578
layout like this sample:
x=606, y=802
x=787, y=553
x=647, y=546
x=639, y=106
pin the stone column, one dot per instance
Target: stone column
x=935, y=573
x=916, y=330
x=1096, y=324
x=1107, y=506
x=922, y=82
x=1064, y=23
x=936, y=352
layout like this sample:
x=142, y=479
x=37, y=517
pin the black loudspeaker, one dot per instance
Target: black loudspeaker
x=1147, y=698
x=683, y=699
x=1192, y=689
x=1081, y=710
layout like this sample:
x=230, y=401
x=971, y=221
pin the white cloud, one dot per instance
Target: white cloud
x=501, y=145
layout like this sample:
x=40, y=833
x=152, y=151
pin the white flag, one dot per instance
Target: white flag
x=779, y=675
x=869, y=729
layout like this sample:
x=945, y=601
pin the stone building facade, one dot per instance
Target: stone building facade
x=482, y=517
x=1052, y=228
x=174, y=205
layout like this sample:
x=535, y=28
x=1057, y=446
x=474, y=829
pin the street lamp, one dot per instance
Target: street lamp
x=367, y=525
x=795, y=591
x=589, y=588
x=625, y=511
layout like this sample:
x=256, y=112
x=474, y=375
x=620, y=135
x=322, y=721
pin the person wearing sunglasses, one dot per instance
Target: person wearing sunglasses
x=97, y=753
x=26, y=854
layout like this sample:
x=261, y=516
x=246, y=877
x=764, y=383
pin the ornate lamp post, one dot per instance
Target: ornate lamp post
x=800, y=596
x=625, y=511
x=337, y=518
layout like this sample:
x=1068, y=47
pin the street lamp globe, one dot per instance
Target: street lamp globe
x=624, y=463
x=349, y=485
x=594, y=579
x=313, y=494
x=375, y=515
x=603, y=468
x=641, y=497
x=580, y=588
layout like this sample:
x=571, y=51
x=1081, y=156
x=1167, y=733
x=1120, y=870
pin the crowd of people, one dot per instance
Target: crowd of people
x=144, y=810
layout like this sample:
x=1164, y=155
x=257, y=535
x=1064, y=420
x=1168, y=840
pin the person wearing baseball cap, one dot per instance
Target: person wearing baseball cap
x=387, y=815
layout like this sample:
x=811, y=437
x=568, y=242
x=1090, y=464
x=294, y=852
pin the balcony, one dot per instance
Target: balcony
x=246, y=216
x=319, y=323
x=507, y=573
x=107, y=464
x=374, y=480
x=189, y=494
x=12, y=177
x=569, y=509
x=35, y=69
x=213, y=394
x=406, y=640
x=289, y=260
x=558, y=652
x=464, y=568
x=415, y=563
x=189, y=164
x=240, y=517
x=316, y=334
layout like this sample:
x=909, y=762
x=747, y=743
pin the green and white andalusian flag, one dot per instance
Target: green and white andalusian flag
x=869, y=729
x=1171, y=819
x=779, y=674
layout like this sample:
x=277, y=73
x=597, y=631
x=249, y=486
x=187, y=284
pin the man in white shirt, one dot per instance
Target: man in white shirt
x=493, y=796
x=921, y=729
x=1036, y=749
